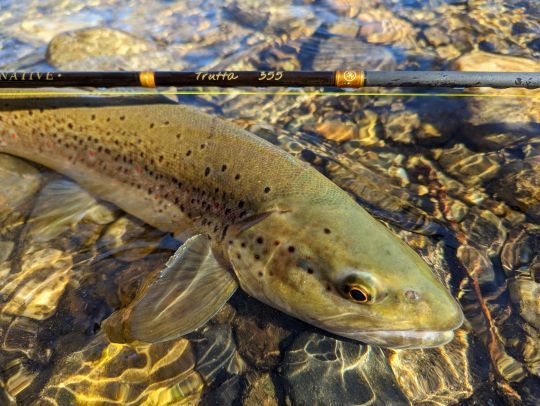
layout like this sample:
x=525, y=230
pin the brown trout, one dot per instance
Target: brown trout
x=255, y=217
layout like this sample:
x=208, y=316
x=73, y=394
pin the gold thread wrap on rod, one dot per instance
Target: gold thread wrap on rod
x=147, y=79
x=350, y=78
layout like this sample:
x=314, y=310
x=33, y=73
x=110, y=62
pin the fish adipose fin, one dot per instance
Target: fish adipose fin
x=191, y=289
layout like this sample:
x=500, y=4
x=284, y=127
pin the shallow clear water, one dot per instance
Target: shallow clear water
x=457, y=178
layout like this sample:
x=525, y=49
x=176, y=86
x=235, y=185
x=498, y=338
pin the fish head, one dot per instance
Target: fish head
x=336, y=267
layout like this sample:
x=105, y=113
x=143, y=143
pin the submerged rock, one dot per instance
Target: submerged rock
x=35, y=291
x=104, y=372
x=130, y=240
x=438, y=376
x=319, y=369
x=100, y=48
x=519, y=185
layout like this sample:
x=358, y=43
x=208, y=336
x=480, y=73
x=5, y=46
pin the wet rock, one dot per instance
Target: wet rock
x=502, y=121
x=526, y=295
x=336, y=130
x=440, y=375
x=216, y=353
x=486, y=230
x=521, y=251
x=260, y=391
x=345, y=52
x=519, y=185
x=401, y=126
x=321, y=370
x=448, y=52
x=18, y=376
x=18, y=182
x=129, y=240
x=78, y=48
x=160, y=373
x=19, y=335
x=436, y=36
x=35, y=291
x=380, y=26
x=344, y=28
x=531, y=352
x=259, y=340
x=469, y=167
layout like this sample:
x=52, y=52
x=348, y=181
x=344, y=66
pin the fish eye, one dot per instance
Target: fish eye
x=358, y=294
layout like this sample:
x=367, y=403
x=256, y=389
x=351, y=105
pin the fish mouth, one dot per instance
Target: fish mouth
x=403, y=339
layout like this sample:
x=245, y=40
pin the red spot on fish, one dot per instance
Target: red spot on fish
x=14, y=136
x=91, y=154
x=157, y=197
x=138, y=169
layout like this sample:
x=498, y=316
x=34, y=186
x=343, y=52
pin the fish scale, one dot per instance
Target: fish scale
x=255, y=217
x=177, y=169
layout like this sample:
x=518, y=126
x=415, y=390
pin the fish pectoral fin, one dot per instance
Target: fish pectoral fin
x=191, y=289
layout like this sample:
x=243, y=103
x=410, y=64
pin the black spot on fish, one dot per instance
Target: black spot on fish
x=223, y=168
x=260, y=274
x=260, y=240
x=257, y=257
x=202, y=146
x=309, y=270
x=241, y=204
x=276, y=243
x=151, y=125
x=188, y=153
x=266, y=189
x=327, y=231
x=160, y=158
x=93, y=117
x=243, y=245
x=237, y=177
x=122, y=118
x=291, y=248
x=207, y=171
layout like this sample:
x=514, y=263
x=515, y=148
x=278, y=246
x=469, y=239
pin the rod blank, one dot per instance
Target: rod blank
x=341, y=79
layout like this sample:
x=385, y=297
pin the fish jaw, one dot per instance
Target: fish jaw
x=403, y=339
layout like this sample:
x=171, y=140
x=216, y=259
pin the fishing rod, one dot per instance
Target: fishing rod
x=341, y=79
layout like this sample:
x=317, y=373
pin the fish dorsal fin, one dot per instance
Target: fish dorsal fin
x=184, y=296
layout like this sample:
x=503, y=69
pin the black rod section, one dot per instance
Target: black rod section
x=340, y=78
